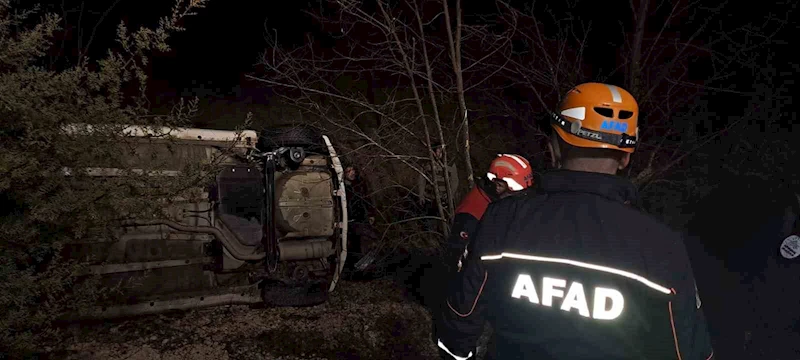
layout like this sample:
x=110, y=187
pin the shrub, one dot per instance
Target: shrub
x=41, y=209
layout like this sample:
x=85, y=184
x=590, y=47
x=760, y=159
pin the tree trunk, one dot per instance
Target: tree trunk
x=455, y=56
x=634, y=74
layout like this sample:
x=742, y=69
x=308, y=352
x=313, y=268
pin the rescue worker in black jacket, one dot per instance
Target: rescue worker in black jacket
x=748, y=263
x=574, y=272
x=508, y=174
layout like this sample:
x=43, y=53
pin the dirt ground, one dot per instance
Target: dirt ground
x=362, y=320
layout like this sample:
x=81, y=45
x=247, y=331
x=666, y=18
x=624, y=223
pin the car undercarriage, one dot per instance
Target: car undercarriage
x=270, y=230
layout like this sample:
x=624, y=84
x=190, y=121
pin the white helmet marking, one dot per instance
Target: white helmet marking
x=615, y=95
x=577, y=113
x=518, y=160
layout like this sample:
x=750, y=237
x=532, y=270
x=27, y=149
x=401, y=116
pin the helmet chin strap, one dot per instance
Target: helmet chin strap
x=555, y=151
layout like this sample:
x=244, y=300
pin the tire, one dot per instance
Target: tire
x=289, y=136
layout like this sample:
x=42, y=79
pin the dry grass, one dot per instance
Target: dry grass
x=366, y=320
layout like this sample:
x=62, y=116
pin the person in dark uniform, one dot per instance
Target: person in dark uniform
x=745, y=242
x=575, y=272
x=508, y=174
x=361, y=234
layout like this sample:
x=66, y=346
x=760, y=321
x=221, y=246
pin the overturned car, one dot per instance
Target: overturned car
x=271, y=229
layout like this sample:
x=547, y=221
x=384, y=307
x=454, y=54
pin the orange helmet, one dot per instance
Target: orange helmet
x=515, y=170
x=596, y=115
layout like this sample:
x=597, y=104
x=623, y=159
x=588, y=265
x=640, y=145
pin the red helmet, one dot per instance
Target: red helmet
x=515, y=170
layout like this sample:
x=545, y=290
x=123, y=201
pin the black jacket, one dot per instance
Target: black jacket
x=744, y=236
x=575, y=273
x=357, y=202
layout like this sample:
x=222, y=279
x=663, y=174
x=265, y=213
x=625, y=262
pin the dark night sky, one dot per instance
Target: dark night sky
x=221, y=41
x=224, y=40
